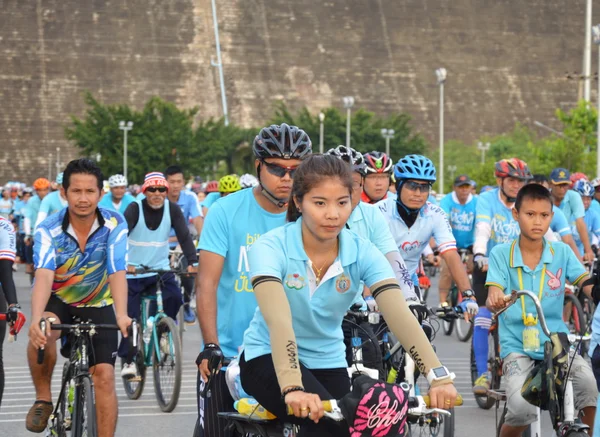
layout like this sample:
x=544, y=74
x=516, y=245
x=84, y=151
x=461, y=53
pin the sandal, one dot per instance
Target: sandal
x=38, y=415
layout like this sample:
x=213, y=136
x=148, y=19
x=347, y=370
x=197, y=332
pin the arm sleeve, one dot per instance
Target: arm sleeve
x=214, y=237
x=7, y=281
x=442, y=231
x=402, y=275
x=404, y=325
x=575, y=271
x=483, y=227
x=183, y=233
x=275, y=308
x=44, y=252
x=117, y=248
x=559, y=223
x=497, y=274
x=132, y=215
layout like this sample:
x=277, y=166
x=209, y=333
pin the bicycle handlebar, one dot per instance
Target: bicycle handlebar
x=510, y=299
x=144, y=269
x=447, y=312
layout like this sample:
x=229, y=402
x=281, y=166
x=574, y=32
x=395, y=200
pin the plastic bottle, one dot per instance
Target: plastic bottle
x=147, y=335
x=249, y=407
x=531, y=335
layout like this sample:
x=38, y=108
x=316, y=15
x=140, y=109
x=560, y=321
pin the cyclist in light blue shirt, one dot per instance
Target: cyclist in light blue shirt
x=591, y=218
x=118, y=199
x=224, y=294
x=53, y=202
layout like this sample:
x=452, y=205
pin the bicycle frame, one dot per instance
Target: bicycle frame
x=160, y=314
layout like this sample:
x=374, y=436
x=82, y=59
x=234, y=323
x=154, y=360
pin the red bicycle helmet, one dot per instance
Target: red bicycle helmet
x=212, y=187
x=377, y=162
x=512, y=168
x=576, y=177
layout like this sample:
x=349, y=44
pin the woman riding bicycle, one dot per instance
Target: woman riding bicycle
x=305, y=277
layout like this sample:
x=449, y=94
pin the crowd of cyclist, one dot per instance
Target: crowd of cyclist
x=281, y=256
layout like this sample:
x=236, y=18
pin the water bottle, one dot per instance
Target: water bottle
x=249, y=407
x=147, y=335
x=531, y=335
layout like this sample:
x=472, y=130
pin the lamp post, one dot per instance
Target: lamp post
x=348, y=104
x=388, y=134
x=441, y=75
x=596, y=33
x=548, y=128
x=57, y=160
x=321, y=131
x=219, y=64
x=50, y=166
x=483, y=147
x=125, y=127
x=587, y=51
x=452, y=170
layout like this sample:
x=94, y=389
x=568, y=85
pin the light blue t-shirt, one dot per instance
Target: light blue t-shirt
x=572, y=206
x=6, y=207
x=461, y=217
x=561, y=265
x=210, y=199
x=233, y=225
x=317, y=311
x=490, y=209
x=19, y=213
x=592, y=224
x=107, y=202
x=559, y=223
x=31, y=213
x=367, y=222
x=52, y=203
x=190, y=207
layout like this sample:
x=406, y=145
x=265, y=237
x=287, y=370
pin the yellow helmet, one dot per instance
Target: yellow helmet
x=229, y=184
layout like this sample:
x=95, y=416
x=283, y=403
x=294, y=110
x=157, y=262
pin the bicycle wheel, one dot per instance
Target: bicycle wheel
x=166, y=364
x=452, y=301
x=464, y=329
x=575, y=319
x=84, y=409
x=180, y=324
x=135, y=386
x=448, y=424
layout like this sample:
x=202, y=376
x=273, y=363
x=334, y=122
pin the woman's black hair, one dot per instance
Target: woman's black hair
x=310, y=173
x=532, y=192
x=82, y=166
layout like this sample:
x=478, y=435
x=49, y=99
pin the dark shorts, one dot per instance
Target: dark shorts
x=104, y=342
x=479, y=288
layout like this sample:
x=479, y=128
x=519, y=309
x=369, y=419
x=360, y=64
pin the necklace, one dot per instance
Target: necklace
x=318, y=271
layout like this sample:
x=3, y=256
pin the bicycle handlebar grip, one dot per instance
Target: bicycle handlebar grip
x=40, y=354
x=327, y=406
x=458, y=403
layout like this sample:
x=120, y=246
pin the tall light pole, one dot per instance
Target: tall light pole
x=587, y=53
x=596, y=33
x=348, y=104
x=57, y=160
x=452, y=169
x=321, y=131
x=388, y=134
x=548, y=128
x=219, y=64
x=125, y=127
x=483, y=147
x=50, y=166
x=441, y=75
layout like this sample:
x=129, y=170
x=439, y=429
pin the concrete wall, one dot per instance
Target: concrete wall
x=506, y=62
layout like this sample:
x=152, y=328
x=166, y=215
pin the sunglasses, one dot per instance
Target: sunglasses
x=155, y=189
x=414, y=186
x=279, y=170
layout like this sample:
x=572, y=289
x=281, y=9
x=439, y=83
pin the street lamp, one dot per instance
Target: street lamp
x=125, y=127
x=483, y=147
x=219, y=65
x=57, y=160
x=452, y=169
x=596, y=33
x=321, y=131
x=50, y=167
x=587, y=51
x=348, y=104
x=441, y=75
x=388, y=134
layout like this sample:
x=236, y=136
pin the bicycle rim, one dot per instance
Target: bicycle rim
x=84, y=410
x=575, y=321
x=167, y=366
x=134, y=389
x=464, y=330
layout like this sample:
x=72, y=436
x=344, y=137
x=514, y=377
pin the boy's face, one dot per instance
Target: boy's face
x=534, y=218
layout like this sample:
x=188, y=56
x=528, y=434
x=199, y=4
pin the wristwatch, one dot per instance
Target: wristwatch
x=438, y=374
x=468, y=293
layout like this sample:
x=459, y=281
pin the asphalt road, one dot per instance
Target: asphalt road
x=143, y=417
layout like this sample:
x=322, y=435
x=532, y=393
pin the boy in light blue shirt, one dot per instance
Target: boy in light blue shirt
x=532, y=263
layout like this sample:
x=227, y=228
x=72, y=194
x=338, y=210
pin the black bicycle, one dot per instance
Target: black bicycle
x=75, y=410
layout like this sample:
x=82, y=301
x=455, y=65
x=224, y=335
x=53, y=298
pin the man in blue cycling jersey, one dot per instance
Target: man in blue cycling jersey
x=571, y=204
x=118, y=199
x=460, y=206
x=224, y=294
x=80, y=259
x=413, y=221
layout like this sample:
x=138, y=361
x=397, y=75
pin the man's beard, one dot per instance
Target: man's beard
x=155, y=207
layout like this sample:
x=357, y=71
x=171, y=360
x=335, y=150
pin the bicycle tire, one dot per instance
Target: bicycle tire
x=180, y=323
x=448, y=424
x=84, y=409
x=134, y=389
x=167, y=365
x=576, y=321
x=464, y=330
x=448, y=325
x=57, y=426
x=577, y=434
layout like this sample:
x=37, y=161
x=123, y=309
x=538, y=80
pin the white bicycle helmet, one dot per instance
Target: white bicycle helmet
x=248, y=181
x=117, y=180
x=595, y=182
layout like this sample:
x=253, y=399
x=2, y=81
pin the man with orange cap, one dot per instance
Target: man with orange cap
x=42, y=188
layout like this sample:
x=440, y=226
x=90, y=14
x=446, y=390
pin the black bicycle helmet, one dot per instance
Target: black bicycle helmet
x=281, y=141
x=351, y=156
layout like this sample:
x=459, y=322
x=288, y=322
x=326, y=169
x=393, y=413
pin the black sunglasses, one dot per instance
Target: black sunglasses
x=414, y=186
x=155, y=189
x=279, y=170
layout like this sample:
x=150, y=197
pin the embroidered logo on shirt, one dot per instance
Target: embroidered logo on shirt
x=294, y=281
x=409, y=246
x=554, y=281
x=342, y=284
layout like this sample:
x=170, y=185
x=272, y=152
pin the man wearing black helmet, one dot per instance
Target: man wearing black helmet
x=224, y=296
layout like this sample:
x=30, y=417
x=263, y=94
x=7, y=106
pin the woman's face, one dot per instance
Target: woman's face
x=325, y=209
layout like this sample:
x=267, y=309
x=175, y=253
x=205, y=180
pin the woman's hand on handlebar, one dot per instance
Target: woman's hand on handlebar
x=496, y=299
x=443, y=396
x=305, y=405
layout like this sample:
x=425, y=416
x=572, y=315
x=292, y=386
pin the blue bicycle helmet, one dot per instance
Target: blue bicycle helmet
x=584, y=188
x=415, y=167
